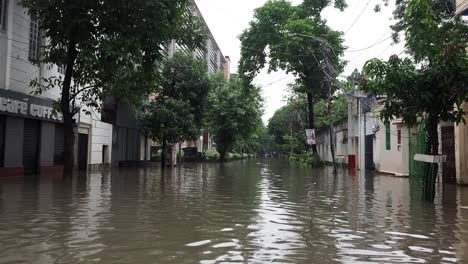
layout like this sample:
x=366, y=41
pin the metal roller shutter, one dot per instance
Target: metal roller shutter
x=59, y=145
x=2, y=140
x=32, y=130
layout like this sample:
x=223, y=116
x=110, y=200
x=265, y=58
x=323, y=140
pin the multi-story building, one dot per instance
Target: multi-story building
x=130, y=145
x=31, y=137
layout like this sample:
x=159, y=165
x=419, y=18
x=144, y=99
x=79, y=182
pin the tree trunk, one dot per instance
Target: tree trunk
x=67, y=111
x=163, y=154
x=311, y=117
x=222, y=156
x=432, y=149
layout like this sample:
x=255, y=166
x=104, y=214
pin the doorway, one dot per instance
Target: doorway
x=369, y=152
x=82, y=151
x=448, y=149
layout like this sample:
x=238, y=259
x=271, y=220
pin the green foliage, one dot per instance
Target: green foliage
x=180, y=154
x=107, y=48
x=212, y=155
x=268, y=40
x=308, y=159
x=157, y=155
x=233, y=114
x=176, y=113
x=298, y=55
x=433, y=83
x=287, y=125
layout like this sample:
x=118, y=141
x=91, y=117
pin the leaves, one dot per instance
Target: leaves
x=177, y=112
x=234, y=111
x=434, y=82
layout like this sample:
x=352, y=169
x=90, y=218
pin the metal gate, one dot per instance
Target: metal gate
x=82, y=151
x=31, y=136
x=448, y=149
x=422, y=175
x=2, y=140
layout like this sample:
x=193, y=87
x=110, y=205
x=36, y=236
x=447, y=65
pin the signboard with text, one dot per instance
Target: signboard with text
x=18, y=104
x=310, y=135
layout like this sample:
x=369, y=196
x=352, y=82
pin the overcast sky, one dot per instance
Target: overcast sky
x=228, y=18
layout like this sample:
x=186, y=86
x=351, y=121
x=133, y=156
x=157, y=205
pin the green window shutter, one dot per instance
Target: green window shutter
x=387, y=136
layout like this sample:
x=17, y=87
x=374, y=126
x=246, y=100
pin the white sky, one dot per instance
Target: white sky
x=228, y=18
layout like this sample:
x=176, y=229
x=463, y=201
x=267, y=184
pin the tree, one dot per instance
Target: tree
x=107, y=47
x=287, y=123
x=268, y=37
x=431, y=86
x=233, y=114
x=177, y=112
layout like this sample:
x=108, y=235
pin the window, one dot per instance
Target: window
x=387, y=136
x=399, y=136
x=3, y=14
x=34, y=40
x=61, y=68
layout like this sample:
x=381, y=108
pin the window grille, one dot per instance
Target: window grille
x=34, y=40
x=3, y=14
x=61, y=68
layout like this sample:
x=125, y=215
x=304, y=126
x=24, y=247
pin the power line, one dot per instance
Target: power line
x=371, y=46
x=359, y=16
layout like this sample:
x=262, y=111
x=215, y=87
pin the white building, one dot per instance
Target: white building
x=31, y=139
x=128, y=144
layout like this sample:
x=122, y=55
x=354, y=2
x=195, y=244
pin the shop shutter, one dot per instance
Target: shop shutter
x=59, y=145
x=2, y=140
x=32, y=130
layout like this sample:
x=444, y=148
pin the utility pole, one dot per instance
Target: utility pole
x=330, y=75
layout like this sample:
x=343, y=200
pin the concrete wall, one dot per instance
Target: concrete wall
x=341, y=146
x=396, y=160
x=100, y=136
x=461, y=151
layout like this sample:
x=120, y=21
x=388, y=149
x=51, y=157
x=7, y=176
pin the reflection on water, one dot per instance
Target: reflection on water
x=241, y=212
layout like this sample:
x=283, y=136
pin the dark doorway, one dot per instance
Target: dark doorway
x=448, y=149
x=105, y=154
x=82, y=151
x=32, y=132
x=370, y=152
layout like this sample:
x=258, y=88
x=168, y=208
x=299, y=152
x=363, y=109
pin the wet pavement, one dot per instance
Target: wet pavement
x=240, y=212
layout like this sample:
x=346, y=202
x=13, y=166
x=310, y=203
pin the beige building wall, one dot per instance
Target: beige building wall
x=462, y=6
x=461, y=150
x=396, y=160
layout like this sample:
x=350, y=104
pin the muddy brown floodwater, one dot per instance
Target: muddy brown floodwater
x=241, y=212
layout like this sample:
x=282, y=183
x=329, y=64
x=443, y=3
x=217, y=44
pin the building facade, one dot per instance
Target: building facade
x=31, y=136
x=128, y=144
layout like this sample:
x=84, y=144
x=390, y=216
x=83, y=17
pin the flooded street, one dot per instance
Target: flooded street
x=240, y=212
